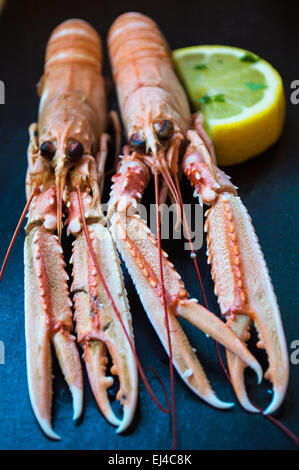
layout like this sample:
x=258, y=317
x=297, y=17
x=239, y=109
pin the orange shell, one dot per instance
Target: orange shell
x=147, y=86
x=73, y=101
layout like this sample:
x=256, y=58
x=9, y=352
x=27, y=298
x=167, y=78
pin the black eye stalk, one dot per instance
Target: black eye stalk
x=164, y=129
x=137, y=142
x=75, y=151
x=47, y=150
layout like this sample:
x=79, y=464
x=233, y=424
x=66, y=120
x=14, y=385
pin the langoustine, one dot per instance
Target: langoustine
x=156, y=116
x=66, y=158
x=158, y=125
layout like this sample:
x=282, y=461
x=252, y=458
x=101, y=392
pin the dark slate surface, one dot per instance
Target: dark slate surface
x=268, y=187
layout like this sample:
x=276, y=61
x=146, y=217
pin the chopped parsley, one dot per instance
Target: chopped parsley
x=255, y=86
x=248, y=57
x=206, y=99
x=201, y=67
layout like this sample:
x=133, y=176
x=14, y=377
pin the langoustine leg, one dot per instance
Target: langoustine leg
x=242, y=282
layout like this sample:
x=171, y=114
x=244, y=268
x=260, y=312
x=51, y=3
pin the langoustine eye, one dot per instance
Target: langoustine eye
x=75, y=151
x=164, y=129
x=47, y=150
x=137, y=142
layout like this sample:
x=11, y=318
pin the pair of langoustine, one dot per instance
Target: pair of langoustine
x=66, y=160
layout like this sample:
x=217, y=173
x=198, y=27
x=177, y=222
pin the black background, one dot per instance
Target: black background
x=268, y=187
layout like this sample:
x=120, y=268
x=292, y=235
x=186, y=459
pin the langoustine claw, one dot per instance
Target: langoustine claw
x=48, y=313
x=65, y=163
x=139, y=249
x=98, y=329
x=242, y=282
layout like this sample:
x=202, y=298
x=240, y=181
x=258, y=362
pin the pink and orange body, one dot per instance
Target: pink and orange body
x=159, y=127
x=65, y=159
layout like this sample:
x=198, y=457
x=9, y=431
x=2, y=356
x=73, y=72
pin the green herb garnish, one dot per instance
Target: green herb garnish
x=206, y=99
x=249, y=58
x=201, y=67
x=255, y=86
x=220, y=97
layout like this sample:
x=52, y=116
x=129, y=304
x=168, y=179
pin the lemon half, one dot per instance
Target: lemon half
x=240, y=95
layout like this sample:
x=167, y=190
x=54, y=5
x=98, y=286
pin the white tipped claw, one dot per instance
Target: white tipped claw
x=48, y=269
x=216, y=329
x=47, y=429
x=236, y=367
x=277, y=399
x=112, y=418
x=109, y=336
x=258, y=370
x=108, y=412
x=240, y=390
x=217, y=403
x=128, y=416
x=209, y=395
x=77, y=395
x=248, y=406
x=94, y=356
x=256, y=300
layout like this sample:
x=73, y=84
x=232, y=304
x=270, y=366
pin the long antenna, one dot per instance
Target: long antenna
x=102, y=279
x=171, y=371
x=17, y=231
x=275, y=421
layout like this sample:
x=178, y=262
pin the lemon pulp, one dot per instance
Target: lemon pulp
x=240, y=95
